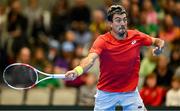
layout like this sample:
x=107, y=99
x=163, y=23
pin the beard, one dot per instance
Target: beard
x=121, y=34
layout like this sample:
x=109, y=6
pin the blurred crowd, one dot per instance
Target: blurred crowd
x=55, y=40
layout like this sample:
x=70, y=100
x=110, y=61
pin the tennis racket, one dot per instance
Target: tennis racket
x=23, y=76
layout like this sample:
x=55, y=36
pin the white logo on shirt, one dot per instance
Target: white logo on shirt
x=133, y=42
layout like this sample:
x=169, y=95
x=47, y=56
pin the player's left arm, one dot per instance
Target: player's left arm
x=159, y=45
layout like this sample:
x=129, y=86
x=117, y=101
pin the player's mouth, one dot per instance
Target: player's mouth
x=121, y=29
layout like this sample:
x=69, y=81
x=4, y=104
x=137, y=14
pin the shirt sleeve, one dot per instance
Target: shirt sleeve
x=146, y=40
x=98, y=45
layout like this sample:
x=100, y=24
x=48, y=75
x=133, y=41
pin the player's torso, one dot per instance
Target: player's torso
x=120, y=63
x=122, y=54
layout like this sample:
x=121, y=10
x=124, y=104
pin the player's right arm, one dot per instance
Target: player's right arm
x=84, y=66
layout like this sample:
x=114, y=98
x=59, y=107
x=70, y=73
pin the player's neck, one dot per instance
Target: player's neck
x=117, y=36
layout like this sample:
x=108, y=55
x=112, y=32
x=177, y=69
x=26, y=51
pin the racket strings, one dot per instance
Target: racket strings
x=20, y=76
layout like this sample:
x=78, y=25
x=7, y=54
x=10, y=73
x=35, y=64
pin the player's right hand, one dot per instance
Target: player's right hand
x=71, y=75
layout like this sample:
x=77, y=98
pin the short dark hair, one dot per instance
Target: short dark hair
x=115, y=9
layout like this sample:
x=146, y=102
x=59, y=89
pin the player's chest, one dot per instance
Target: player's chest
x=124, y=51
x=124, y=47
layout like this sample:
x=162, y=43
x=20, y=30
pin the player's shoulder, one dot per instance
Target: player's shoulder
x=134, y=32
x=104, y=36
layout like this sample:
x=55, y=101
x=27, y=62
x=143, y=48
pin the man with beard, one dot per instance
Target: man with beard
x=119, y=53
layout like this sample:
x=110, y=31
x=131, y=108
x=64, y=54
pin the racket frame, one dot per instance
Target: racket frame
x=49, y=76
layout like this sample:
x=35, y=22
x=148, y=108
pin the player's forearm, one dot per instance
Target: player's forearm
x=88, y=62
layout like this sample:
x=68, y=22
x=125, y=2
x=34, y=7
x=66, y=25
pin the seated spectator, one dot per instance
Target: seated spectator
x=98, y=25
x=80, y=12
x=174, y=59
x=164, y=74
x=151, y=14
x=50, y=83
x=176, y=17
x=59, y=19
x=173, y=95
x=24, y=55
x=134, y=15
x=152, y=94
x=16, y=27
x=39, y=58
x=169, y=32
x=68, y=45
x=151, y=29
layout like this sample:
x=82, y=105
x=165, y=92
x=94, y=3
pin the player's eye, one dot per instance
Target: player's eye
x=125, y=19
x=119, y=20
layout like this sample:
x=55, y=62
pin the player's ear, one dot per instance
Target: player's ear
x=109, y=23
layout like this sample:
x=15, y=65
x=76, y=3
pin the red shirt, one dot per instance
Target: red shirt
x=152, y=96
x=119, y=60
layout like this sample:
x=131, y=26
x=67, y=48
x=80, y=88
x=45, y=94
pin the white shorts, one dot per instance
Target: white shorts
x=107, y=101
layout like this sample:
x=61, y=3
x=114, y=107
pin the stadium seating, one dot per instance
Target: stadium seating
x=64, y=96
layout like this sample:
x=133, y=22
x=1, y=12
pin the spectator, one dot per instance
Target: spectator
x=3, y=23
x=126, y=4
x=83, y=36
x=80, y=12
x=164, y=74
x=151, y=14
x=169, y=32
x=69, y=45
x=176, y=17
x=151, y=93
x=50, y=83
x=173, y=95
x=17, y=26
x=33, y=12
x=79, y=52
x=24, y=55
x=105, y=6
x=3, y=38
x=98, y=25
x=41, y=31
x=143, y=26
x=39, y=58
x=174, y=59
x=170, y=6
x=60, y=19
x=134, y=15
x=53, y=50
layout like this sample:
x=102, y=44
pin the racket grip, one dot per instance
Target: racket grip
x=62, y=76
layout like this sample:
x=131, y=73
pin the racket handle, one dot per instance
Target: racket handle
x=62, y=76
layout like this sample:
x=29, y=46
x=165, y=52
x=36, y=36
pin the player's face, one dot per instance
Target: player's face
x=119, y=24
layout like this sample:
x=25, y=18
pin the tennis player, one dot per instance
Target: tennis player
x=119, y=53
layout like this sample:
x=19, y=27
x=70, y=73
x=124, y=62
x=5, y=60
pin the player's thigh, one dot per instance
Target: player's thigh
x=105, y=101
x=133, y=102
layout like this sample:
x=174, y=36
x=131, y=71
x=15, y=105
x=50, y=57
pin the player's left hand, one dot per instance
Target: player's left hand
x=157, y=51
x=159, y=48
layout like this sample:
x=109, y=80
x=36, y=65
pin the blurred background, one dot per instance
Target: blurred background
x=54, y=35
